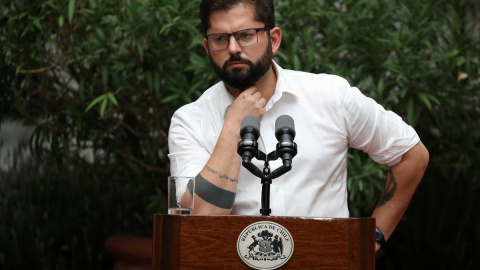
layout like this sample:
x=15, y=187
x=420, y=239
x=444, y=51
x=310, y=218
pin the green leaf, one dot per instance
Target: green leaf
x=71, y=10
x=100, y=33
x=446, y=55
x=112, y=98
x=169, y=98
x=95, y=102
x=61, y=20
x=296, y=62
x=103, y=107
x=427, y=98
x=37, y=23
x=410, y=110
x=166, y=27
x=18, y=68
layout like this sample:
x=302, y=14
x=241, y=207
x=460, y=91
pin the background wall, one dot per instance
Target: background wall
x=98, y=81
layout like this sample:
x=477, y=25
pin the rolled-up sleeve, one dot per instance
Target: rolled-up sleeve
x=380, y=133
x=186, y=153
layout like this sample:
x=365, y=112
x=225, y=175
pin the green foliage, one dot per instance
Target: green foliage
x=126, y=59
x=100, y=79
x=59, y=218
x=107, y=72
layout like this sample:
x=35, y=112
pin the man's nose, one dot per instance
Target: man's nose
x=233, y=45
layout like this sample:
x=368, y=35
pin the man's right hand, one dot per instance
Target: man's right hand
x=248, y=102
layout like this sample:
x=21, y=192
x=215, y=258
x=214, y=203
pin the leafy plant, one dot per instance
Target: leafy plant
x=59, y=218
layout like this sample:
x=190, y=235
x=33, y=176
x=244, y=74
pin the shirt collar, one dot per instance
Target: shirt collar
x=284, y=86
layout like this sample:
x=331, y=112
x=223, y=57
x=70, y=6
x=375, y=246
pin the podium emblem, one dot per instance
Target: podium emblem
x=265, y=245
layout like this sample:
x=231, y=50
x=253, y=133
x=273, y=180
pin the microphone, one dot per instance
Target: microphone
x=285, y=133
x=249, y=131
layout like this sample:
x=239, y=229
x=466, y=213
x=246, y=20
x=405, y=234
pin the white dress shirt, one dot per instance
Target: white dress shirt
x=329, y=116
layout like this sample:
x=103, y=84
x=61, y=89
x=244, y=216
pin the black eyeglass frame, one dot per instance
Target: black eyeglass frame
x=234, y=33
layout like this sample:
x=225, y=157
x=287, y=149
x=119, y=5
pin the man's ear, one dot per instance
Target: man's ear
x=276, y=37
x=205, y=45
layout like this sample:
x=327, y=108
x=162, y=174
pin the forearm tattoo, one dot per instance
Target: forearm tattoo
x=389, y=189
x=212, y=194
x=222, y=176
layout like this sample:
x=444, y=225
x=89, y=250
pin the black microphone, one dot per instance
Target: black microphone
x=249, y=131
x=285, y=133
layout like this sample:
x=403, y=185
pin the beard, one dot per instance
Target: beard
x=243, y=79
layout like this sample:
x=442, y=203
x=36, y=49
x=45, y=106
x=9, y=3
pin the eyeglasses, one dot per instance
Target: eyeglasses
x=246, y=37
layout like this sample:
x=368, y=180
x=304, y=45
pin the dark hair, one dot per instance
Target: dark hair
x=264, y=11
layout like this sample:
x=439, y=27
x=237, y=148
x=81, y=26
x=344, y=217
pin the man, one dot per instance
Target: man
x=330, y=116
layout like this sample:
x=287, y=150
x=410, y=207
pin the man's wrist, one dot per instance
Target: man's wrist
x=379, y=237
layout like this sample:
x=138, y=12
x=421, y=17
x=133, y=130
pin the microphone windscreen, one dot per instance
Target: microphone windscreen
x=252, y=121
x=284, y=121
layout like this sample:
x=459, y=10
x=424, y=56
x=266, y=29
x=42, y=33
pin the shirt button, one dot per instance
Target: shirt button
x=277, y=189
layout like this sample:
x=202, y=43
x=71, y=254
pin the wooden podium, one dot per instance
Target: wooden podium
x=210, y=242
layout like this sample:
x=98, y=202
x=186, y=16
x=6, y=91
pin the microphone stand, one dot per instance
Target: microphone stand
x=265, y=176
x=247, y=148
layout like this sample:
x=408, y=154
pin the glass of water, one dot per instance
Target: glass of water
x=181, y=197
